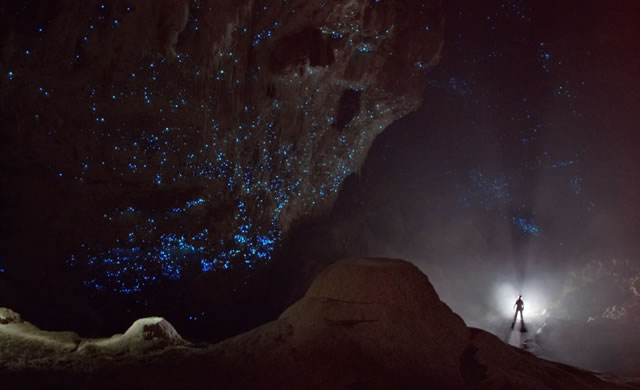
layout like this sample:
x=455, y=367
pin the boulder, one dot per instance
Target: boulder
x=379, y=324
x=8, y=316
x=143, y=336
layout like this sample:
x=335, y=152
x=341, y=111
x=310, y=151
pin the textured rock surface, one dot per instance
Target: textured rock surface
x=24, y=346
x=8, y=316
x=378, y=323
x=611, y=288
x=595, y=321
x=148, y=137
x=365, y=323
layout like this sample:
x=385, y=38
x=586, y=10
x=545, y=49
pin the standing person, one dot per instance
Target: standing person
x=519, y=305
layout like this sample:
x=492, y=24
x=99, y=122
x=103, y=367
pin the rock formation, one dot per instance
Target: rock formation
x=379, y=324
x=595, y=321
x=24, y=346
x=148, y=138
x=364, y=323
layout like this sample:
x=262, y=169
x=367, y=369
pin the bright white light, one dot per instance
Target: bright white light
x=535, y=300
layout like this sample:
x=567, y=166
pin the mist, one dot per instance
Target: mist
x=517, y=177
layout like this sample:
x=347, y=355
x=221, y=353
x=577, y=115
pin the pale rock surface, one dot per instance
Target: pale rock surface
x=363, y=324
x=366, y=322
x=23, y=345
x=8, y=316
x=379, y=324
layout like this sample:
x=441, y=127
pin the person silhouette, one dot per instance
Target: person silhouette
x=519, y=305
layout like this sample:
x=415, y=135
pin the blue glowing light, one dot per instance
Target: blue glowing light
x=156, y=241
x=526, y=225
x=365, y=48
x=195, y=202
x=208, y=266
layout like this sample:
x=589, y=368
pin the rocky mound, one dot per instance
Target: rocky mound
x=8, y=316
x=24, y=346
x=379, y=324
x=363, y=324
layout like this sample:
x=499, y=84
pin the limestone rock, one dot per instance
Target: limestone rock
x=23, y=345
x=379, y=324
x=143, y=336
x=201, y=128
x=8, y=316
x=363, y=324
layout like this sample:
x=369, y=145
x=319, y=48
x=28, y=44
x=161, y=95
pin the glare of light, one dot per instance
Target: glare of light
x=535, y=301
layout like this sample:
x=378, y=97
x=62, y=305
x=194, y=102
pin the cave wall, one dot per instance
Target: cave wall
x=158, y=140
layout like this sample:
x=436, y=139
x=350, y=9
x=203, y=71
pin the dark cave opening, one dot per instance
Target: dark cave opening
x=348, y=108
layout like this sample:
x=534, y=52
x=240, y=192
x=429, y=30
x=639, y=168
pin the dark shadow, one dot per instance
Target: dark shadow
x=348, y=108
x=308, y=45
